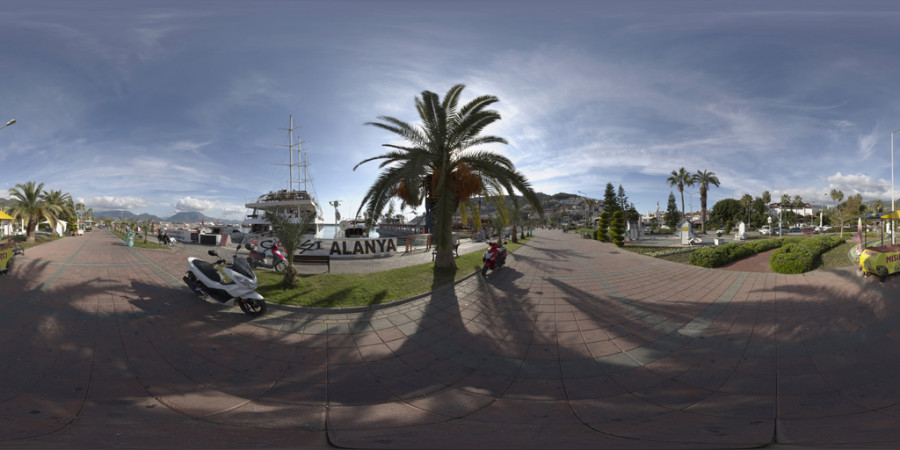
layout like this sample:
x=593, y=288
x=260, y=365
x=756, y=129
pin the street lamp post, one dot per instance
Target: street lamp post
x=893, y=208
x=14, y=121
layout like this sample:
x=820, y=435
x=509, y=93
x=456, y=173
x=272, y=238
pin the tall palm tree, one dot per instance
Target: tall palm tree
x=798, y=203
x=704, y=179
x=440, y=166
x=746, y=201
x=64, y=201
x=837, y=196
x=681, y=178
x=30, y=207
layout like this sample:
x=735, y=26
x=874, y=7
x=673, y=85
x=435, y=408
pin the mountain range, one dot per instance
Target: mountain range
x=181, y=217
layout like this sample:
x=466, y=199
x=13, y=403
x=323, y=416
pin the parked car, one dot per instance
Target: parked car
x=810, y=231
x=795, y=230
x=765, y=231
x=824, y=228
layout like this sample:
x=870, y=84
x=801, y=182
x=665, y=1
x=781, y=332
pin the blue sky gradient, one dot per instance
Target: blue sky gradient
x=163, y=107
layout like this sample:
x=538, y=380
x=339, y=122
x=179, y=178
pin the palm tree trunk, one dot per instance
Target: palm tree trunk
x=29, y=230
x=443, y=234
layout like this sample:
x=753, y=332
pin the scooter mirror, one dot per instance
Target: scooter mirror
x=213, y=253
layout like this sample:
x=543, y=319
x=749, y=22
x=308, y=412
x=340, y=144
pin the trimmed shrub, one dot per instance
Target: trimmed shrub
x=712, y=257
x=764, y=245
x=602, y=229
x=617, y=228
x=801, y=255
x=793, y=258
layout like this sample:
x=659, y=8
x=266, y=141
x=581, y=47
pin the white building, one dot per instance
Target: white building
x=806, y=210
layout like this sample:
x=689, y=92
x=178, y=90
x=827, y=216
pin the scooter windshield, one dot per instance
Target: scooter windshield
x=240, y=266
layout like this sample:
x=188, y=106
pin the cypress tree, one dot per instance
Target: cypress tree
x=602, y=234
x=617, y=228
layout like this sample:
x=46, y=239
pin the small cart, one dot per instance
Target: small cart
x=879, y=260
x=8, y=252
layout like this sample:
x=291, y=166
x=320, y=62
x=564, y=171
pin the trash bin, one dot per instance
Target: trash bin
x=129, y=239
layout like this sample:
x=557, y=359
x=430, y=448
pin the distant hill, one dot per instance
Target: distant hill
x=182, y=217
x=115, y=214
x=192, y=217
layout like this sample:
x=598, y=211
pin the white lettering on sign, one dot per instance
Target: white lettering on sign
x=363, y=247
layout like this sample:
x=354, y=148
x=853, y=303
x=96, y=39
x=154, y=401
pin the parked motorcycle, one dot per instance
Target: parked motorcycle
x=494, y=257
x=206, y=281
x=258, y=259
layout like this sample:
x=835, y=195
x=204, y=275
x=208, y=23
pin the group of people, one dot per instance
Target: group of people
x=163, y=237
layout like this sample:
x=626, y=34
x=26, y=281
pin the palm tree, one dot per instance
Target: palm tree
x=30, y=207
x=704, y=179
x=681, y=178
x=746, y=201
x=798, y=203
x=439, y=166
x=837, y=196
x=64, y=201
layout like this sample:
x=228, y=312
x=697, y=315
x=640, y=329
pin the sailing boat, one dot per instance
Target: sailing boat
x=291, y=202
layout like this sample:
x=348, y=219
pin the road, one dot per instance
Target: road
x=575, y=344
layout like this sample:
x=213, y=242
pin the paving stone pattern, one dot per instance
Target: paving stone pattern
x=575, y=344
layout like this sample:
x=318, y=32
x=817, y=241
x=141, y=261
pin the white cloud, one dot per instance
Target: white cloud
x=853, y=184
x=233, y=211
x=111, y=202
x=188, y=204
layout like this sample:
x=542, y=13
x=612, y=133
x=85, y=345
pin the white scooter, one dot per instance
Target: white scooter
x=205, y=279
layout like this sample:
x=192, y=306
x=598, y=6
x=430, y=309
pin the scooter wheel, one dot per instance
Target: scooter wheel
x=252, y=307
x=280, y=266
x=484, y=270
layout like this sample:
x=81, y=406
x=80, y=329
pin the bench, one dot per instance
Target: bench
x=313, y=259
x=455, y=251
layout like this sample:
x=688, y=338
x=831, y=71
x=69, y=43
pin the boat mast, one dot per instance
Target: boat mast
x=290, y=147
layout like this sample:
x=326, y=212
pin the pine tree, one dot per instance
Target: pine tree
x=672, y=213
x=622, y=199
x=610, y=201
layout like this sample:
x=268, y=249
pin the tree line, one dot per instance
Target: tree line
x=33, y=204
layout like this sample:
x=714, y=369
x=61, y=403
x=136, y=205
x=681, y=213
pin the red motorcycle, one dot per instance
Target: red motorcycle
x=494, y=257
x=258, y=259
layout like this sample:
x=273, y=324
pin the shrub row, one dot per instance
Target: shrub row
x=802, y=256
x=713, y=257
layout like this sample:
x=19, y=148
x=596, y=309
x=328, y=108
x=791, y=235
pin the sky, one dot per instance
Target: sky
x=162, y=107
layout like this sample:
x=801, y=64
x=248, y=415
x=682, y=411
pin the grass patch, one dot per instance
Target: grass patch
x=38, y=240
x=836, y=258
x=674, y=254
x=337, y=290
x=139, y=241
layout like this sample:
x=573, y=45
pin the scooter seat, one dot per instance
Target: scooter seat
x=209, y=270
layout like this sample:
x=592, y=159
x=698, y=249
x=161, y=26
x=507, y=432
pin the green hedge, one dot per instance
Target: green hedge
x=790, y=261
x=713, y=257
x=802, y=255
x=792, y=258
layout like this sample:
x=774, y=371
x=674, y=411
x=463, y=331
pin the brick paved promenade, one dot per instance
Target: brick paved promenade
x=574, y=344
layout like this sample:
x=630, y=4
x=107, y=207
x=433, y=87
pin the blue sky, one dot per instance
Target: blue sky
x=163, y=107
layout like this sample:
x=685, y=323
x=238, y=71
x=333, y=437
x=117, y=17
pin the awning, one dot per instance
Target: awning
x=4, y=216
x=891, y=215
